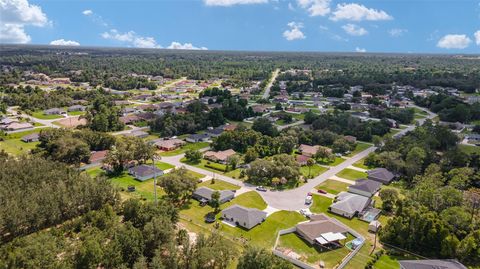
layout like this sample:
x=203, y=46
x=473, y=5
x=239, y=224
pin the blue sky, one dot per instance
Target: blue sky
x=444, y=26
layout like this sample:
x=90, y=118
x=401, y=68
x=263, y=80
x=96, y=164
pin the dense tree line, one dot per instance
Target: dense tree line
x=450, y=108
x=103, y=115
x=401, y=115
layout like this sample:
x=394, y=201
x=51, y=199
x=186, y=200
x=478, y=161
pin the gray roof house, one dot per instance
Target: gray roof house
x=319, y=225
x=244, y=216
x=136, y=133
x=76, y=108
x=198, y=138
x=54, y=111
x=381, y=175
x=144, y=172
x=431, y=264
x=349, y=204
x=30, y=138
x=365, y=187
x=204, y=194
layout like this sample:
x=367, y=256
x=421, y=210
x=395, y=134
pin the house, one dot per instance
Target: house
x=321, y=230
x=54, y=111
x=349, y=204
x=307, y=150
x=365, y=187
x=128, y=110
x=473, y=137
x=302, y=159
x=129, y=119
x=144, y=172
x=7, y=121
x=169, y=144
x=381, y=175
x=230, y=127
x=16, y=126
x=194, y=138
x=76, y=108
x=31, y=138
x=350, y=139
x=215, y=132
x=260, y=108
x=204, y=194
x=138, y=133
x=374, y=226
x=244, y=216
x=97, y=157
x=219, y=156
x=431, y=264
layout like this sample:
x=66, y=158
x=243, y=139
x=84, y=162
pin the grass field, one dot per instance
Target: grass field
x=17, y=146
x=218, y=185
x=40, y=115
x=361, y=146
x=76, y=113
x=194, y=146
x=312, y=254
x=351, y=174
x=315, y=170
x=337, y=161
x=469, y=149
x=333, y=186
x=361, y=164
x=214, y=167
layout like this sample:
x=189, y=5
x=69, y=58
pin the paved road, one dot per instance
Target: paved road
x=266, y=94
x=281, y=127
x=47, y=123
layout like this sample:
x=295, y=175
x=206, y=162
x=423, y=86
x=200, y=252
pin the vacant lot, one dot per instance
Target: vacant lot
x=361, y=146
x=311, y=172
x=351, y=174
x=40, y=115
x=333, y=186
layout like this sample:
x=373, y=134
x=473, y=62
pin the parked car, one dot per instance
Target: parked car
x=308, y=200
x=261, y=188
x=322, y=191
x=131, y=188
x=306, y=212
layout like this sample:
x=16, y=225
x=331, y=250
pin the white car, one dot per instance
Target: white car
x=308, y=200
x=306, y=212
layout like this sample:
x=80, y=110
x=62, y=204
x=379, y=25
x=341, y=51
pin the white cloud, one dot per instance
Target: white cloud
x=454, y=42
x=15, y=15
x=357, y=12
x=185, y=46
x=87, y=12
x=477, y=36
x=131, y=38
x=397, y=32
x=228, y=3
x=355, y=30
x=361, y=50
x=290, y=6
x=315, y=7
x=294, y=32
x=63, y=42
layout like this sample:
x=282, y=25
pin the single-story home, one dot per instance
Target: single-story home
x=215, y=132
x=230, y=127
x=302, y=160
x=244, y=216
x=138, y=133
x=144, y=172
x=219, y=156
x=194, y=138
x=365, y=187
x=169, y=144
x=16, y=126
x=351, y=139
x=321, y=230
x=7, y=121
x=97, y=157
x=54, y=111
x=129, y=119
x=349, y=204
x=76, y=108
x=31, y=138
x=381, y=175
x=204, y=194
x=308, y=150
x=431, y=264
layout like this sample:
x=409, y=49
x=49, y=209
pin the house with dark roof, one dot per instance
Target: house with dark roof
x=365, y=187
x=54, y=111
x=431, y=264
x=204, y=195
x=349, y=204
x=144, y=172
x=381, y=175
x=194, y=138
x=76, y=108
x=321, y=230
x=243, y=216
x=215, y=132
x=30, y=138
x=137, y=133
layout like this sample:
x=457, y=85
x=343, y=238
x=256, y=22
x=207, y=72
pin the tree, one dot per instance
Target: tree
x=341, y=145
x=70, y=150
x=265, y=127
x=389, y=198
x=178, y=185
x=233, y=161
x=278, y=106
x=324, y=153
x=414, y=161
x=215, y=201
x=250, y=156
x=310, y=163
x=256, y=258
x=193, y=156
x=377, y=141
x=128, y=149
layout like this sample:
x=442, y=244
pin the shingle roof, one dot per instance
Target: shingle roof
x=431, y=264
x=249, y=216
x=206, y=193
x=381, y=174
x=366, y=185
x=145, y=170
x=350, y=202
x=319, y=224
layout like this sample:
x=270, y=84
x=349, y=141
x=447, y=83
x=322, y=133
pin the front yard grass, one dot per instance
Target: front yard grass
x=40, y=115
x=313, y=254
x=469, y=149
x=351, y=174
x=337, y=161
x=361, y=164
x=360, y=146
x=249, y=199
x=194, y=146
x=218, y=185
x=17, y=146
x=333, y=186
x=314, y=171
x=76, y=113
x=214, y=167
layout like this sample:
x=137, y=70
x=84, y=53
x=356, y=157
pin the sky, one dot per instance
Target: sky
x=406, y=26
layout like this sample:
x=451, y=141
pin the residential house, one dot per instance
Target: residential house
x=260, y=108
x=54, y=111
x=302, y=159
x=17, y=126
x=76, y=108
x=321, y=230
x=7, y=121
x=381, y=175
x=230, y=127
x=129, y=119
x=431, y=264
x=144, y=172
x=349, y=204
x=243, y=216
x=204, y=195
x=31, y=138
x=169, y=144
x=365, y=187
x=350, y=139
x=138, y=133
x=194, y=138
x=215, y=132
x=219, y=156
x=308, y=150
x=97, y=157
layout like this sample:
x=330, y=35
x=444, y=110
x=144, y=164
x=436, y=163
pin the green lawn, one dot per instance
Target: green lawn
x=351, y=174
x=337, y=161
x=40, y=115
x=333, y=186
x=248, y=199
x=469, y=149
x=360, y=146
x=219, y=185
x=361, y=164
x=387, y=262
x=315, y=170
x=214, y=167
x=313, y=254
x=194, y=146
x=16, y=146
x=320, y=204
x=76, y=113
x=162, y=165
